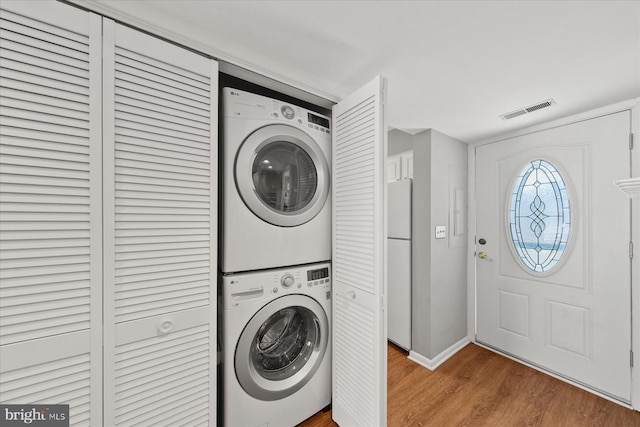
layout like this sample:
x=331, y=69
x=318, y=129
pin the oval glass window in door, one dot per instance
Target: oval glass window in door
x=539, y=216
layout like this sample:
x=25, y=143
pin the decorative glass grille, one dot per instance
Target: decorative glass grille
x=539, y=216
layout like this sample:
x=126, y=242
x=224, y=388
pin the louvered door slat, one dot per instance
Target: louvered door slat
x=359, y=237
x=175, y=244
x=47, y=109
x=40, y=102
x=20, y=201
x=35, y=70
x=43, y=389
x=77, y=90
x=44, y=114
x=156, y=71
x=50, y=208
x=11, y=148
x=17, y=20
x=163, y=121
x=156, y=114
x=168, y=147
x=19, y=57
x=160, y=131
x=152, y=253
x=159, y=377
x=150, y=59
x=29, y=135
x=196, y=147
x=161, y=97
x=163, y=166
x=53, y=370
x=43, y=49
x=146, y=287
x=127, y=240
x=149, y=108
x=44, y=162
x=151, y=130
x=157, y=155
x=154, y=80
x=159, y=185
x=130, y=199
x=131, y=96
x=42, y=252
x=137, y=406
x=44, y=90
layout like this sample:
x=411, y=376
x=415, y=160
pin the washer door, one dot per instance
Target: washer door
x=282, y=175
x=281, y=347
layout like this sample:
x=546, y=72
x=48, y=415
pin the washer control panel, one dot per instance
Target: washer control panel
x=317, y=277
x=241, y=104
x=247, y=287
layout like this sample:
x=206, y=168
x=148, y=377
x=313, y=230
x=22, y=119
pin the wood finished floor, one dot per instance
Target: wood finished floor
x=477, y=387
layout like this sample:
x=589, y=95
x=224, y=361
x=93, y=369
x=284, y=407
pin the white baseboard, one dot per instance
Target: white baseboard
x=432, y=364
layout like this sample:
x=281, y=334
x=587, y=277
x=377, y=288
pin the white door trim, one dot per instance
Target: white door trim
x=634, y=106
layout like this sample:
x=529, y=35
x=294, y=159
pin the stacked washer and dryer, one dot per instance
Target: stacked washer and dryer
x=274, y=257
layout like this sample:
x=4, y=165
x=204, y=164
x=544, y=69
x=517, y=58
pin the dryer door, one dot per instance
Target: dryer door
x=281, y=347
x=282, y=175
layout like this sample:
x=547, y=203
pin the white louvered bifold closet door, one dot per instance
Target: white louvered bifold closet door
x=160, y=188
x=359, y=259
x=50, y=208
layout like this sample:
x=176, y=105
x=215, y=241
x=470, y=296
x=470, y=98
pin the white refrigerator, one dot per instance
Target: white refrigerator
x=399, y=267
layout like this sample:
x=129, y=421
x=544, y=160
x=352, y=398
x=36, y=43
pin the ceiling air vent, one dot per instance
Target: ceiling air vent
x=530, y=109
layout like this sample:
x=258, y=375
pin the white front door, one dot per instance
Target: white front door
x=552, y=266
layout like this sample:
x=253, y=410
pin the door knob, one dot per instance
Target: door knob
x=482, y=255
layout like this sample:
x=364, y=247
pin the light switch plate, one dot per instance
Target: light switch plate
x=441, y=231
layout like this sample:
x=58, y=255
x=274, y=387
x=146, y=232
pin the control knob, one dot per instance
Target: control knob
x=287, y=280
x=288, y=112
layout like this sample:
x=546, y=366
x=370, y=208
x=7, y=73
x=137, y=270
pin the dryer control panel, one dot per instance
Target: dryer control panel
x=241, y=104
x=313, y=280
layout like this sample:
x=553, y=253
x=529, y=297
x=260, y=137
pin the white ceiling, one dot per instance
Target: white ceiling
x=454, y=66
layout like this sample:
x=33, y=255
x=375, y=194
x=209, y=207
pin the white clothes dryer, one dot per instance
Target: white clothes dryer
x=275, y=208
x=276, y=346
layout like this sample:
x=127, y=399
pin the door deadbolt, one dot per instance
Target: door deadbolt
x=482, y=241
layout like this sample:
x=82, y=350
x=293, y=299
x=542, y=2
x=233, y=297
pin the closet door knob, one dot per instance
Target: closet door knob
x=165, y=327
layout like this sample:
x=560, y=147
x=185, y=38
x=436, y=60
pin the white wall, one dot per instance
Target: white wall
x=399, y=142
x=439, y=300
x=448, y=256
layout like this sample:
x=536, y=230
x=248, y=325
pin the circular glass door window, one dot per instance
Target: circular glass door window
x=284, y=343
x=284, y=176
x=281, y=347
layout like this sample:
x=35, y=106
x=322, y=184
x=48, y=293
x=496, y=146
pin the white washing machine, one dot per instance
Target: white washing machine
x=276, y=346
x=276, y=208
